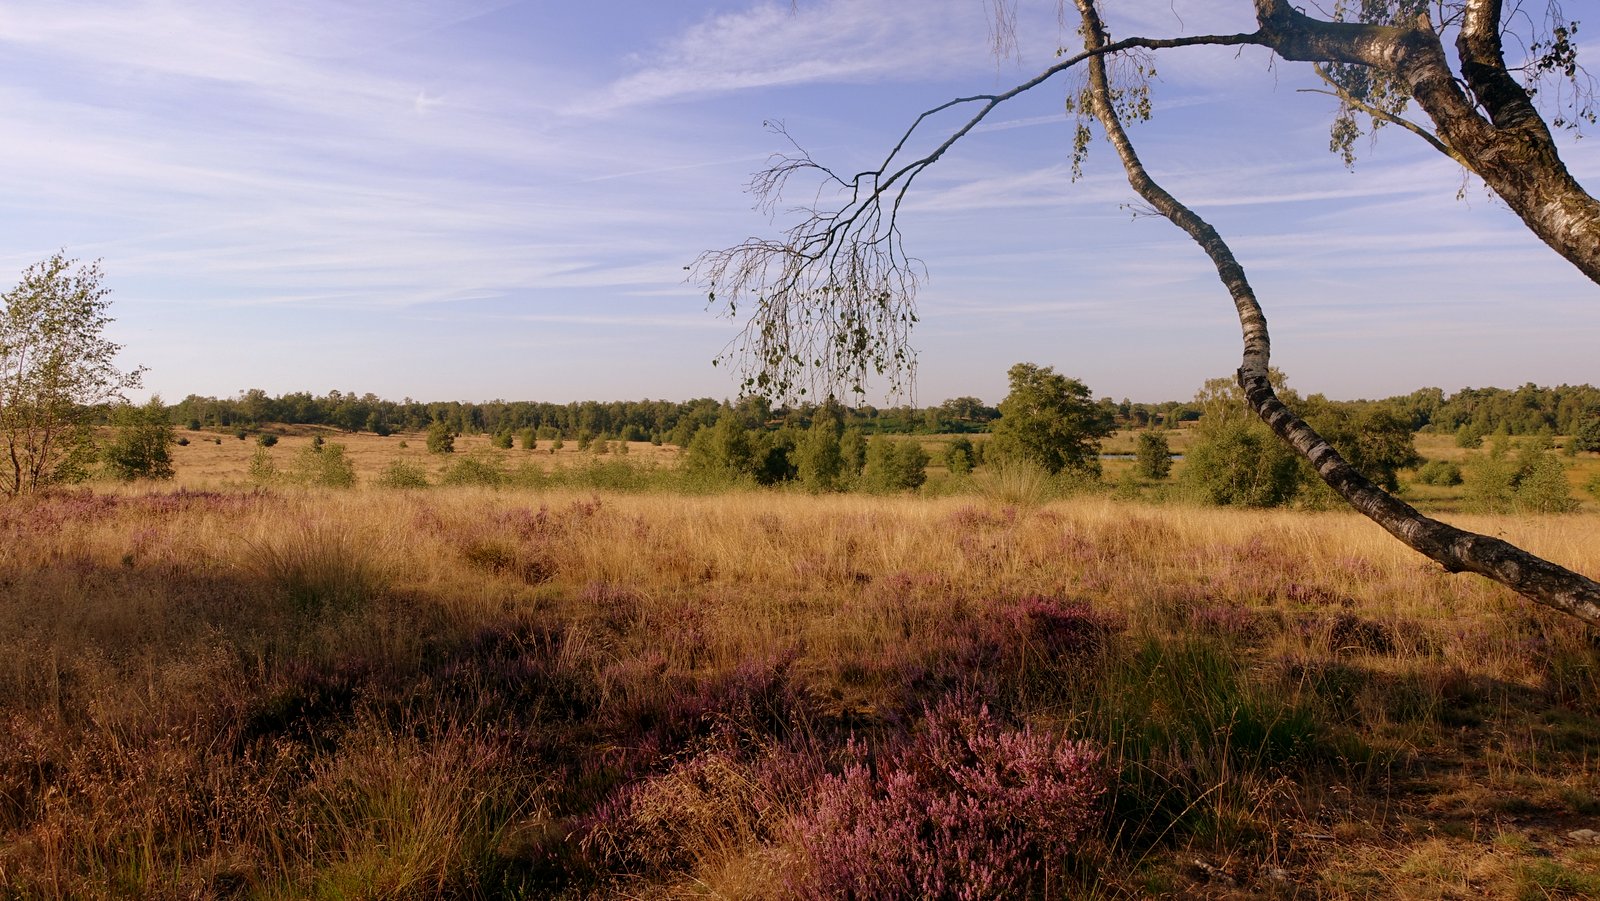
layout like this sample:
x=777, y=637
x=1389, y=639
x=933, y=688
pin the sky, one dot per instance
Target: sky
x=464, y=200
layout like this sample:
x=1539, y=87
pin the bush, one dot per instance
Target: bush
x=1532, y=482
x=262, y=470
x=441, y=439
x=266, y=439
x=400, y=474
x=530, y=441
x=959, y=456
x=1439, y=472
x=473, y=470
x=1240, y=462
x=894, y=465
x=241, y=434
x=323, y=467
x=502, y=440
x=141, y=448
x=1586, y=437
x=1153, y=456
x=182, y=441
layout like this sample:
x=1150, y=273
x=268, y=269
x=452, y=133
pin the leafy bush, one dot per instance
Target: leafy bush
x=182, y=441
x=266, y=439
x=400, y=474
x=141, y=448
x=502, y=440
x=473, y=470
x=959, y=455
x=1586, y=437
x=441, y=438
x=1152, y=457
x=323, y=467
x=529, y=440
x=894, y=465
x=1439, y=472
x=262, y=470
x=1534, y=481
x=1239, y=462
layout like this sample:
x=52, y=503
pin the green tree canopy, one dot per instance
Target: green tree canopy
x=1050, y=420
x=56, y=365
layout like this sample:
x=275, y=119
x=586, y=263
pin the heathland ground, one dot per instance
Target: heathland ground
x=215, y=690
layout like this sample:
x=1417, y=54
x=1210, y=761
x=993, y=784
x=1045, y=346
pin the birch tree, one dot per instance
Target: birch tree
x=831, y=301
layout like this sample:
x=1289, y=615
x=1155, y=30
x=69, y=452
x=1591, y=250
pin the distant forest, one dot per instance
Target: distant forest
x=1469, y=412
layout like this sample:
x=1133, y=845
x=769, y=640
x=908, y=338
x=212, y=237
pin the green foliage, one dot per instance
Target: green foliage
x=1050, y=420
x=262, y=469
x=1469, y=436
x=819, y=463
x=722, y=452
x=266, y=439
x=502, y=440
x=141, y=449
x=1152, y=458
x=894, y=465
x=441, y=438
x=852, y=452
x=1439, y=472
x=1235, y=460
x=958, y=456
x=1373, y=439
x=1593, y=486
x=474, y=470
x=529, y=440
x=1531, y=481
x=55, y=367
x=1586, y=437
x=400, y=474
x=323, y=467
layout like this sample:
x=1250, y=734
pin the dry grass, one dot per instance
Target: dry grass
x=479, y=693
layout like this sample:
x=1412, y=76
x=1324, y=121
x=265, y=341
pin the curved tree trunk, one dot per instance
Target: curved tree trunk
x=1495, y=132
x=1457, y=550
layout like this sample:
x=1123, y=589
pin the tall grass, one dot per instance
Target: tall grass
x=489, y=691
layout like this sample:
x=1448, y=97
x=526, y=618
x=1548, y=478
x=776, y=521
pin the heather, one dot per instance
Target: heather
x=501, y=692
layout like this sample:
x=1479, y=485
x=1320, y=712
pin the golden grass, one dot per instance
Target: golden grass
x=398, y=694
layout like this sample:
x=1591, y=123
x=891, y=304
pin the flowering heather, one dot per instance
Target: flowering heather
x=967, y=809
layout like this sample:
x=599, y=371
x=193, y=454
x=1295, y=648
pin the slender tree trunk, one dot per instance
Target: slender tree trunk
x=1455, y=549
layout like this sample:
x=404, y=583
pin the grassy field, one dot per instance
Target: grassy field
x=471, y=693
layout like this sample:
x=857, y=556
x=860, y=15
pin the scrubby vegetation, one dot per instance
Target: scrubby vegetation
x=467, y=692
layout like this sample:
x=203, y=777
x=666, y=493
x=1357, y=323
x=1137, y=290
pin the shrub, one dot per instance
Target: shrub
x=241, y=434
x=140, y=450
x=318, y=568
x=262, y=470
x=502, y=440
x=1439, y=472
x=441, y=439
x=958, y=455
x=1593, y=486
x=1586, y=437
x=968, y=809
x=1543, y=488
x=1239, y=462
x=182, y=441
x=529, y=440
x=1153, y=456
x=266, y=439
x=894, y=465
x=473, y=470
x=819, y=464
x=325, y=467
x=400, y=474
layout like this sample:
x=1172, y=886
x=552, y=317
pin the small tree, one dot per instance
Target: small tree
x=1586, y=437
x=818, y=462
x=1152, y=459
x=441, y=438
x=1050, y=420
x=55, y=366
x=958, y=456
x=142, y=448
x=894, y=465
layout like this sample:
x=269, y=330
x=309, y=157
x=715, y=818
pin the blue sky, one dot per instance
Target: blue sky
x=460, y=200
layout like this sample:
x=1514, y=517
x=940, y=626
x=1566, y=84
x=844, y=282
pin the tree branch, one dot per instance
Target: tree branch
x=1337, y=90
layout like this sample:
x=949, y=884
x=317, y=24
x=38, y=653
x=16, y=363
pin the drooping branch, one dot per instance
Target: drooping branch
x=833, y=299
x=1457, y=550
x=1337, y=90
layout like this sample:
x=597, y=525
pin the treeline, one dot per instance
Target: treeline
x=1471, y=413
x=672, y=422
